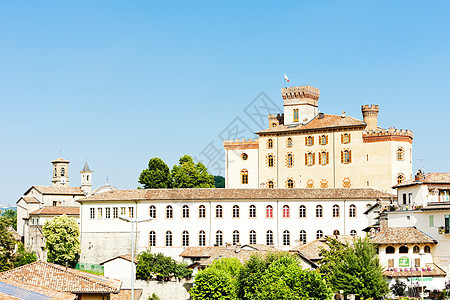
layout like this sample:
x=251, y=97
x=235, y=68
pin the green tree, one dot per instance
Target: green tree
x=218, y=281
x=280, y=276
x=7, y=244
x=156, y=176
x=63, y=245
x=331, y=255
x=162, y=267
x=219, y=181
x=23, y=257
x=358, y=271
x=11, y=214
x=188, y=174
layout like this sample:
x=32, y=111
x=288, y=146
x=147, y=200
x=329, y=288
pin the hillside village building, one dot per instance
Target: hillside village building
x=282, y=218
x=303, y=148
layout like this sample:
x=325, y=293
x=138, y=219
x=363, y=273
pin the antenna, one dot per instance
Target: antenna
x=107, y=179
x=60, y=155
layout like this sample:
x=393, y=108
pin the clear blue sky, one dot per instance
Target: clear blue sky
x=120, y=82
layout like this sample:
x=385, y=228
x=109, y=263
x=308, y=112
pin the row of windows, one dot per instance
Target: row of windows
x=310, y=159
x=405, y=249
x=236, y=237
x=309, y=140
x=286, y=211
x=108, y=213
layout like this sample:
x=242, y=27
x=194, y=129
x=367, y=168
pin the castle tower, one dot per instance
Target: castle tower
x=300, y=104
x=370, y=116
x=60, y=172
x=86, y=179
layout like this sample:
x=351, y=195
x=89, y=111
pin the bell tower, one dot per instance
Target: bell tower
x=60, y=172
x=86, y=179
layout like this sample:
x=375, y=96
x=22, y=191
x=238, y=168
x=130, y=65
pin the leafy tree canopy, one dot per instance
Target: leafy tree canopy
x=24, y=257
x=11, y=214
x=219, y=181
x=62, y=235
x=156, y=176
x=162, y=267
x=188, y=174
x=7, y=244
x=356, y=270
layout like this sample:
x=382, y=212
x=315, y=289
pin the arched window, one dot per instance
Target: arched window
x=169, y=212
x=63, y=172
x=244, y=176
x=185, y=212
x=235, y=237
x=290, y=160
x=345, y=138
x=274, y=124
x=295, y=116
x=353, y=232
x=270, y=160
x=346, y=156
x=319, y=211
x=323, y=140
x=336, y=232
x=152, y=211
x=290, y=184
x=244, y=156
x=335, y=211
x=323, y=158
x=152, y=239
x=201, y=211
x=271, y=184
x=56, y=172
x=219, y=238
x=390, y=250
x=269, y=238
x=403, y=249
x=416, y=249
x=235, y=211
x=352, y=211
x=302, y=238
x=252, y=211
x=289, y=143
x=302, y=211
x=252, y=237
x=310, y=159
x=168, y=238
x=201, y=238
x=400, y=178
x=319, y=234
x=269, y=211
x=219, y=211
x=427, y=249
x=400, y=153
x=309, y=141
x=270, y=143
x=286, y=238
x=286, y=212
x=185, y=239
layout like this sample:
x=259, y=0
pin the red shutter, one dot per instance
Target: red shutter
x=349, y=156
x=306, y=159
x=328, y=157
x=342, y=157
x=314, y=158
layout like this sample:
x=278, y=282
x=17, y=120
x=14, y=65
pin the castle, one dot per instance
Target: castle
x=303, y=148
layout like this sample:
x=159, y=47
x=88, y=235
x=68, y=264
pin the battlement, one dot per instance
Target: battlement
x=391, y=134
x=370, y=108
x=276, y=116
x=297, y=92
x=241, y=144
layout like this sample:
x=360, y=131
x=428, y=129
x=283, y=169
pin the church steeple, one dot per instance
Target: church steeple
x=60, y=172
x=86, y=179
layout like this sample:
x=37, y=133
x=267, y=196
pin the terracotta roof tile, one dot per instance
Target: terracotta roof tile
x=29, y=199
x=429, y=270
x=55, y=295
x=328, y=121
x=402, y=235
x=57, y=210
x=126, y=295
x=63, y=279
x=238, y=194
x=61, y=160
x=312, y=249
x=429, y=178
x=57, y=190
x=437, y=206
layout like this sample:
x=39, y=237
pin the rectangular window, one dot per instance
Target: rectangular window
x=55, y=203
x=115, y=212
x=107, y=213
x=404, y=199
x=431, y=221
x=92, y=213
x=123, y=211
x=390, y=263
x=410, y=198
x=295, y=115
x=417, y=262
x=99, y=213
x=131, y=212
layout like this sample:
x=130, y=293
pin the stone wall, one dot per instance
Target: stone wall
x=170, y=290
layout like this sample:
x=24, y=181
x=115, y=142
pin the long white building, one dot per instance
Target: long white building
x=283, y=218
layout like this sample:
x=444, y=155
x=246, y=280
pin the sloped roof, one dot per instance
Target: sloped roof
x=29, y=289
x=63, y=279
x=86, y=168
x=430, y=270
x=402, y=235
x=429, y=178
x=238, y=194
x=57, y=210
x=28, y=199
x=61, y=160
x=437, y=206
x=57, y=190
x=327, y=122
x=126, y=295
x=312, y=249
x=125, y=256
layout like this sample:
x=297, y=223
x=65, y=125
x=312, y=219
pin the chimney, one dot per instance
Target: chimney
x=370, y=116
x=419, y=176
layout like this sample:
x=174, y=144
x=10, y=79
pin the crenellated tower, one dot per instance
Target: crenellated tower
x=300, y=104
x=370, y=116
